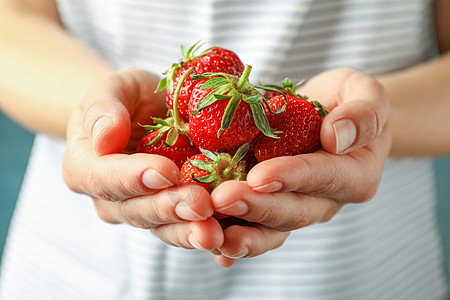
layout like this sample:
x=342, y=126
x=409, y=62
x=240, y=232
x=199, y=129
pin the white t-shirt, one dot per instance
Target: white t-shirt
x=387, y=248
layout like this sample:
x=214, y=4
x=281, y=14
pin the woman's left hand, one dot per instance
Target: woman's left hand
x=291, y=192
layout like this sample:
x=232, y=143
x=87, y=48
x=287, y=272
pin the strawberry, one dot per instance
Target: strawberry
x=226, y=111
x=300, y=126
x=209, y=169
x=214, y=59
x=179, y=152
x=188, y=171
x=169, y=137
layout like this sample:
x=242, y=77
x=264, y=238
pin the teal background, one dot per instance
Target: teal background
x=15, y=145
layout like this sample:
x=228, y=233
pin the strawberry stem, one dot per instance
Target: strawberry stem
x=244, y=77
x=176, y=113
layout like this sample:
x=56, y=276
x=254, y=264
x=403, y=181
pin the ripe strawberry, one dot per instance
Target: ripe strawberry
x=179, y=152
x=226, y=111
x=169, y=137
x=300, y=126
x=188, y=171
x=210, y=169
x=214, y=59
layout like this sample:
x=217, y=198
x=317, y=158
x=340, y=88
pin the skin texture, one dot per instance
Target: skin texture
x=142, y=190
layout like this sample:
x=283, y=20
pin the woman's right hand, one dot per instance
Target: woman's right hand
x=135, y=188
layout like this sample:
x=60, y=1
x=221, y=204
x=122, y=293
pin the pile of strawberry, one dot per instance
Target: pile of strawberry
x=220, y=125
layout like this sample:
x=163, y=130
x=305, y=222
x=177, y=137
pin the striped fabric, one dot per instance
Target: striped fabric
x=387, y=248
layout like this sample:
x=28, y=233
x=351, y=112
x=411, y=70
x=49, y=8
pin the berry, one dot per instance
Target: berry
x=300, y=126
x=169, y=137
x=214, y=59
x=226, y=111
x=209, y=169
x=179, y=152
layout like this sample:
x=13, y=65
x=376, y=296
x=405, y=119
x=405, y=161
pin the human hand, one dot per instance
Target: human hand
x=288, y=193
x=139, y=189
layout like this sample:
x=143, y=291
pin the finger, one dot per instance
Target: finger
x=358, y=105
x=203, y=235
x=248, y=241
x=351, y=126
x=116, y=177
x=106, y=108
x=348, y=178
x=281, y=211
x=224, y=261
x=174, y=205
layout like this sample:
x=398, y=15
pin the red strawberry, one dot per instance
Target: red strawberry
x=210, y=169
x=226, y=111
x=179, y=152
x=214, y=59
x=169, y=137
x=300, y=126
x=188, y=172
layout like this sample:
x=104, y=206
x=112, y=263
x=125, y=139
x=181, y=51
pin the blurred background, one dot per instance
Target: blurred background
x=15, y=146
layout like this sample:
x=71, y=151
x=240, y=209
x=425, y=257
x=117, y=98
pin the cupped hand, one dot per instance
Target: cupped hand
x=288, y=193
x=139, y=189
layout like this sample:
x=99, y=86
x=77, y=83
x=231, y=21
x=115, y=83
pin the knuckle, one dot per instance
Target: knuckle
x=131, y=215
x=325, y=182
x=99, y=184
x=98, y=190
x=265, y=216
x=158, y=215
x=302, y=217
x=125, y=186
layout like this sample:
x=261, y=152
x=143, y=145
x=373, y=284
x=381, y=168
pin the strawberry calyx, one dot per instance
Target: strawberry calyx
x=221, y=166
x=288, y=88
x=235, y=89
x=322, y=110
x=174, y=125
x=188, y=55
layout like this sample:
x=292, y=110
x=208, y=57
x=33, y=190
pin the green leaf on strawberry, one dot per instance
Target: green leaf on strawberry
x=215, y=168
x=236, y=89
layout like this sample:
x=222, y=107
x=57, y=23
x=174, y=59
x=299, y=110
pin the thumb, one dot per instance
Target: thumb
x=106, y=121
x=350, y=126
x=107, y=124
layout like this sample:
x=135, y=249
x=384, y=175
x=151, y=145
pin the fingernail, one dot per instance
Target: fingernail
x=238, y=208
x=99, y=126
x=241, y=254
x=194, y=243
x=184, y=211
x=345, y=132
x=153, y=180
x=270, y=187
